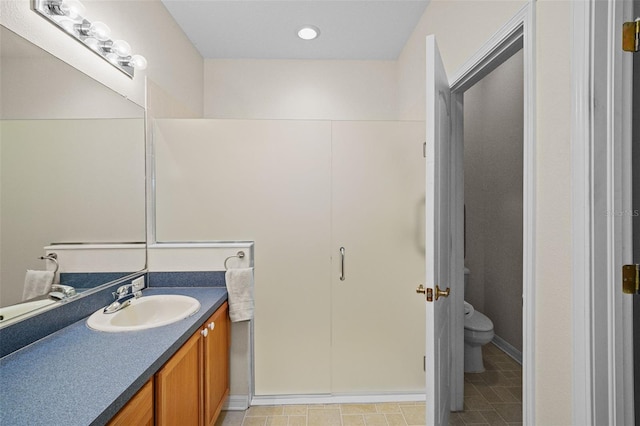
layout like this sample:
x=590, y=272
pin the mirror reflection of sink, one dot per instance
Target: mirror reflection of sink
x=10, y=312
x=145, y=312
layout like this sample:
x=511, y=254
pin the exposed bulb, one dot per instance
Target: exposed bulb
x=72, y=8
x=92, y=43
x=138, y=62
x=68, y=25
x=121, y=48
x=100, y=31
x=112, y=57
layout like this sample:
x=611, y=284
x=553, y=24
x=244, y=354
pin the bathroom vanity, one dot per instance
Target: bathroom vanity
x=79, y=376
x=198, y=372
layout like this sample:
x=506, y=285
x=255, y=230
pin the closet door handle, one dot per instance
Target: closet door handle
x=342, y=277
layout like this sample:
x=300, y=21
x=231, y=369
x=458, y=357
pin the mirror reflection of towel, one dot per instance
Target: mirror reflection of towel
x=37, y=283
x=240, y=292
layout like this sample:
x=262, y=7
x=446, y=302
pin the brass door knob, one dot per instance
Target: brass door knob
x=631, y=279
x=442, y=293
x=421, y=289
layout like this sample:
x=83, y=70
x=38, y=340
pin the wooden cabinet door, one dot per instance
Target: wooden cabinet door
x=178, y=386
x=216, y=363
x=138, y=411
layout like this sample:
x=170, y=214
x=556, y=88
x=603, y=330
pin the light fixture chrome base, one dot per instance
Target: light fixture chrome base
x=78, y=27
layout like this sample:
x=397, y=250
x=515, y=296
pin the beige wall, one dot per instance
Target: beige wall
x=461, y=28
x=174, y=63
x=300, y=89
x=27, y=92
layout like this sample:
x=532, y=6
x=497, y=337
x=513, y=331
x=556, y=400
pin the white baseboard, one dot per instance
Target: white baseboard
x=507, y=348
x=337, y=399
x=236, y=403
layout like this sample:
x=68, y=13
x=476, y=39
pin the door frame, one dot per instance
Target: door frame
x=601, y=193
x=518, y=33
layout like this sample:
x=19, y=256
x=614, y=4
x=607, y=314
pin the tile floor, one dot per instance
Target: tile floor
x=386, y=414
x=491, y=398
x=495, y=396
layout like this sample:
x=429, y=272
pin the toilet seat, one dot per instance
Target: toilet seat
x=476, y=321
x=468, y=310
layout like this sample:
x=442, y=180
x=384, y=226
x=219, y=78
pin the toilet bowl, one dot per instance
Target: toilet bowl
x=478, y=331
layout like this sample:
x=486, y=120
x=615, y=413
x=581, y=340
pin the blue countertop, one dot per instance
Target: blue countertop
x=78, y=376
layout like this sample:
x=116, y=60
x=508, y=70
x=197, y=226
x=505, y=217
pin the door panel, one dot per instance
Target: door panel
x=265, y=181
x=437, y=236
x=377, y=216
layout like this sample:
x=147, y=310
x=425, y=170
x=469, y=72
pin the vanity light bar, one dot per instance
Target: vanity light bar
x=68, y=15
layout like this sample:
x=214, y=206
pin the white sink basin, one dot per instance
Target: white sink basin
x=145, y=312
x=10, y=312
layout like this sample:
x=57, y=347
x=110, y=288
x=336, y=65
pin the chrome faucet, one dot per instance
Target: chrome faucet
x=59, y=291
x=123, y=296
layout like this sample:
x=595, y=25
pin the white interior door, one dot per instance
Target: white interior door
x=438, y=240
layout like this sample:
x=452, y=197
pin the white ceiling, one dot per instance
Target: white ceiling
x=266, y=29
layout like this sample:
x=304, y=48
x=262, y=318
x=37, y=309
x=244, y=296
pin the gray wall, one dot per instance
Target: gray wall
x=493, y=152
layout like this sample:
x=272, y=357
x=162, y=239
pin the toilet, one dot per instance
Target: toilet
x=478, y=331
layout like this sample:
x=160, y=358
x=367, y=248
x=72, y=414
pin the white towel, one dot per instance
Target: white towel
x=240, y=290
x=37, y=283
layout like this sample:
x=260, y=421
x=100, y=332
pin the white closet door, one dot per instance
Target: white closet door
x=378, y=329
x=266, y=181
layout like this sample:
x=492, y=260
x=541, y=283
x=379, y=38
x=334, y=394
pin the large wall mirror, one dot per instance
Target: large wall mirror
x=72, y=167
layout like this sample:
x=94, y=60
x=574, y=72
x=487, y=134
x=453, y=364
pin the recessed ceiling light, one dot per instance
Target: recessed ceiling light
x=308, y=32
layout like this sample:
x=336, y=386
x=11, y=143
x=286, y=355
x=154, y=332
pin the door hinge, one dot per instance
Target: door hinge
x=631, y=279
x=631, y=36
x=424, y=149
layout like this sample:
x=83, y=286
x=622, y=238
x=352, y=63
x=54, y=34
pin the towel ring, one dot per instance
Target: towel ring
x=54, y=258
x=239, y=255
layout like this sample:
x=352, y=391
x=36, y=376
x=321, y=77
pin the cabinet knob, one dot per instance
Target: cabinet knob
x=212, y=325
x=205, y=332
